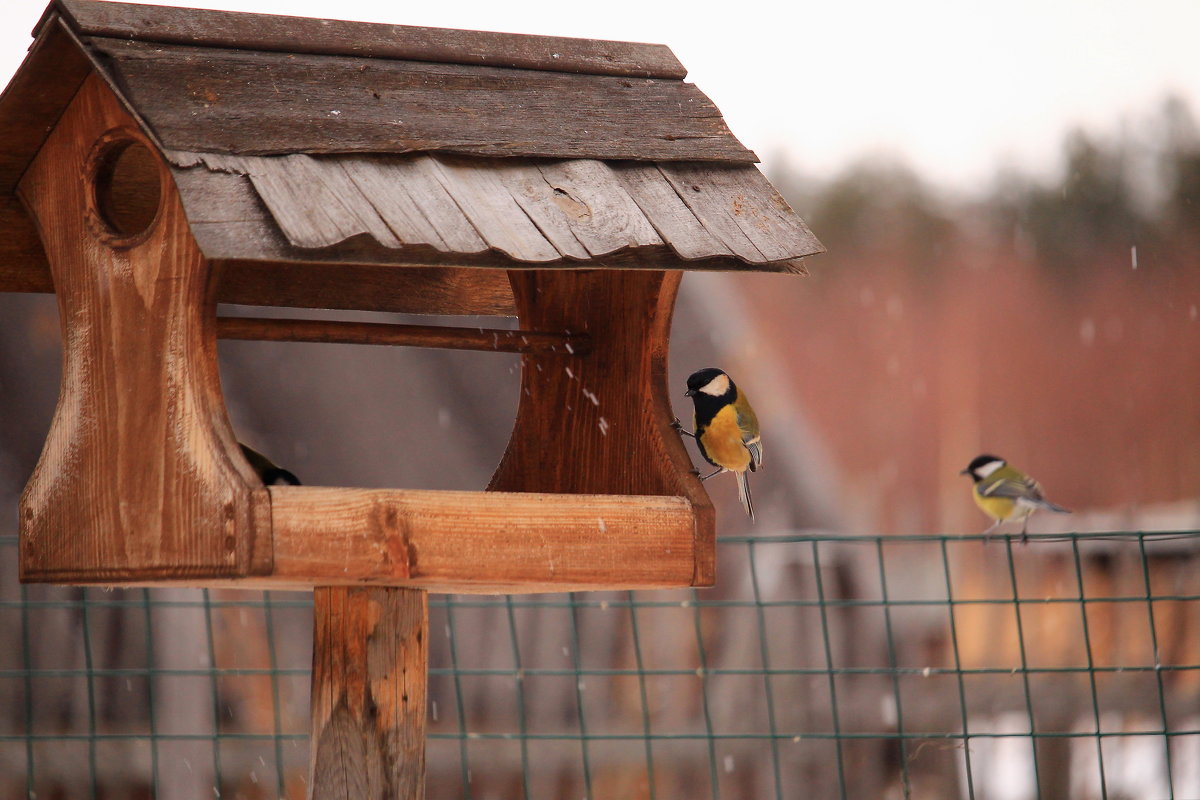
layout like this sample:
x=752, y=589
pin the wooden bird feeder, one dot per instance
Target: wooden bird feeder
x=157, y=161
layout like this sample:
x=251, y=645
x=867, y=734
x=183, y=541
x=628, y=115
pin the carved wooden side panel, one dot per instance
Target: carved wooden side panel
x=600, y=423
x=139, y=477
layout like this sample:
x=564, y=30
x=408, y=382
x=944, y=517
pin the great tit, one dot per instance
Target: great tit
x=725, y=428
x=1005, y=493
x=270, y=473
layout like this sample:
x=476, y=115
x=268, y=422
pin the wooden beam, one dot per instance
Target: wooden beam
x=243, y=31
x=445, y=337
x=479, y=542
x=370, y=667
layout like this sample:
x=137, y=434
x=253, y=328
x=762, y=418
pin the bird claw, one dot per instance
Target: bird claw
x=678, y=426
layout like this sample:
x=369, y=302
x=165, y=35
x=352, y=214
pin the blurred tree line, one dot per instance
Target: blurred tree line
x=1138, y=189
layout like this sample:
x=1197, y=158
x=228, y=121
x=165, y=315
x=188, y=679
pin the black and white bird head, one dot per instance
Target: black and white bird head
x=710, y=381
x=983, y=466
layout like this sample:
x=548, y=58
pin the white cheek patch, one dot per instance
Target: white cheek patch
x=988, y=468
x=717, y=386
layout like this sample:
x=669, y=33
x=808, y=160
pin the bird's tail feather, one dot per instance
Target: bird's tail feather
x=743, y=479
x=1046, y=504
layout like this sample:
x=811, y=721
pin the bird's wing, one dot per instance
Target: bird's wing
x=747, y=422
x=755, y=449
x=1013, y=488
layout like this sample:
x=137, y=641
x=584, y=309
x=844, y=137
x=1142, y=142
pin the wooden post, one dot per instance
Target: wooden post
x=601, y=423
x=370, y=666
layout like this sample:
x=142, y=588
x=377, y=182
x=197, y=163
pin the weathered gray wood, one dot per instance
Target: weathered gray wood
x=596, y=206
x=490, y=207
x=337, y=37
x=393, y=203
x=672, y=218
x=533, y=211
x=254, y=102
x=528, y=187
x=739, y=206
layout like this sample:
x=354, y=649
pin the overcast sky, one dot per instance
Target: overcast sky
x=953, y=86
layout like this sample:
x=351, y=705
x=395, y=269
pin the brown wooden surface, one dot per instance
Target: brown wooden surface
x=742, y=210
x=483, y=542
x=29, y=106
x=23, y=265
x=337, y=37
x=253, y=102
x=370, y=665
x=43, y=85
x=493, y=340
x=536, y=211
x=606, y=415
x=413, y=290
x=140, y=475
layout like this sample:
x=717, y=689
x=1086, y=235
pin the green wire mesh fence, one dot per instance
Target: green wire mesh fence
x=821, y=666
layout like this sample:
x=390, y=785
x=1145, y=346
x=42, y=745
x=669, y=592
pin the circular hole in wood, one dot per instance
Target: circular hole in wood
x=128, y=190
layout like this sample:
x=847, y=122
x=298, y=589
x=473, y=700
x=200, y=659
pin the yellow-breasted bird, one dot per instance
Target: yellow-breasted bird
x=1005, y=493
x=270, y=473
x=725, y=428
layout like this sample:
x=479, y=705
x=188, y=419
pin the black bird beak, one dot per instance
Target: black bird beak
x=965, y=471
x=690, y=393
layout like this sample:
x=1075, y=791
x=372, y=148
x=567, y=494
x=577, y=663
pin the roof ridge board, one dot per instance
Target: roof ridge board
x=280, y=33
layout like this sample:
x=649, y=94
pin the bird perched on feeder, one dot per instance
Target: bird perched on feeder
x=270, y=473
x=725, y=428
x=1005, y=493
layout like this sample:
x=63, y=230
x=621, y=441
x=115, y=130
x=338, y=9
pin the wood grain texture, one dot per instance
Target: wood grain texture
x=411, y=290
x=539, y=212
x=23, y=264
x=607, y=415
x=32, y=102
x=669, y=215
x=491, y=340
x=140, y=476
x=257, y=103
x=29, y=106
x=479, y=542
x=741, y=209
x=369, y=677
x=336, y=37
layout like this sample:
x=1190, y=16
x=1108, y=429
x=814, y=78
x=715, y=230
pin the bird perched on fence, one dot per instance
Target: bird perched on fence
x=1005, y=493
x=270, y=473
x=725, y=428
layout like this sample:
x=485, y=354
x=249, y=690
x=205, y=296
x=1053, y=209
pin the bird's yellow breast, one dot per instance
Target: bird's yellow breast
x=722, y=441
x=1000, y=508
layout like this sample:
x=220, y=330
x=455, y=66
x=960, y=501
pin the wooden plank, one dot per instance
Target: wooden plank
x=131, y=490
x=609, y=410
x=256, y=103
x=741, y=208
x=490, y=340
x=311, y=205
x=524, y=182
x=596, y=206
x=402, y=289
x=23, y=264
x=369, y=679
x=386, y=189
x=39, y=91
x=481, y=542
x=673, y=220
x=337, y=37
x=491, y=209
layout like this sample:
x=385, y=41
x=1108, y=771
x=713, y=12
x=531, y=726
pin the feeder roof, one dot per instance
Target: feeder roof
x=301, y=139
